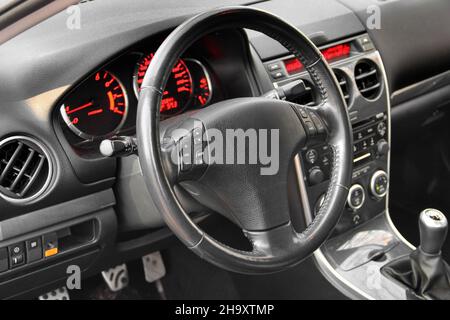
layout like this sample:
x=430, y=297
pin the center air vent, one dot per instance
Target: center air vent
x=25, y=170
x=343, y=83
x=367, y=79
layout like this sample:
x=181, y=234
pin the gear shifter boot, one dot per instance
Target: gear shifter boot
x=424, y=271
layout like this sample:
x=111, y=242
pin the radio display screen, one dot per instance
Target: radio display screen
x=337, y=52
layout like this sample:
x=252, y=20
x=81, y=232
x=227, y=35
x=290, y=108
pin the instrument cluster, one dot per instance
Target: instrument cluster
x=104, y=104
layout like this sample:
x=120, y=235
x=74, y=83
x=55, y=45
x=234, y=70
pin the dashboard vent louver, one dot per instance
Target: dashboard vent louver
x=343, y=83
x=367, y=79
x=308, y=98
x=25, y=169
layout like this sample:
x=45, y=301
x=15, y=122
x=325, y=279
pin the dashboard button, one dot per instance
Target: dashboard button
x=34, y=249
x=3, y=259
x=379, y=184
x=17, y=260
x=50, y=244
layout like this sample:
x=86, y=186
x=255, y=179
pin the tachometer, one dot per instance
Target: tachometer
x=97, y=108
x=178, y=91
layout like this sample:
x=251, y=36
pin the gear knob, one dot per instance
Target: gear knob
x=433, y=227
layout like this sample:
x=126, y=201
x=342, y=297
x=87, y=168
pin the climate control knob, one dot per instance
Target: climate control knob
x=356, y=197
x=379, y=184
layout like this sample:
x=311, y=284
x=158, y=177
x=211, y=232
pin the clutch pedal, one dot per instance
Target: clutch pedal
x=58, y=294
x=116, y=278
x=154, y=268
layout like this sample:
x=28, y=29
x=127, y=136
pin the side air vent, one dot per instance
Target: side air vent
x=367, y=79
x=309, y=97
x=343, y=83
x=25, y=170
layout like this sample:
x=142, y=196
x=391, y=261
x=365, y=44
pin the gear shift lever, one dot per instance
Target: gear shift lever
x=423, y=271
x=433, y=228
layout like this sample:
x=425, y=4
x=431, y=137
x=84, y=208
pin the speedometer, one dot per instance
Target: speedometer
x=97, y=108
x=179, y=88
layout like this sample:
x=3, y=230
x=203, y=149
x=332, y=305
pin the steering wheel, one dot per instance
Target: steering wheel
x=173, y=152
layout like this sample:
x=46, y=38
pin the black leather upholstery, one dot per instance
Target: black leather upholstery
x=428, y=276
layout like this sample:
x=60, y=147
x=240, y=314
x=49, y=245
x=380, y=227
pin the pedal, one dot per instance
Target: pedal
x=58, y=294
x=116, y=278
x=154, y=268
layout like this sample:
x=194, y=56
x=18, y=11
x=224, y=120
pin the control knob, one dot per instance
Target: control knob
x=382, y=147
x=356, y=197
x=379, y=184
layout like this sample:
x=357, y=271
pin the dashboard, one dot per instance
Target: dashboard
x=81, y=86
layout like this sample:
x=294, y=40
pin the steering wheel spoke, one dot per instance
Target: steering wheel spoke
x=274, y=242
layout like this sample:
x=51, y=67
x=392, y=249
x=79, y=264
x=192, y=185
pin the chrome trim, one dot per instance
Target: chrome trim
x=302, y=187
x=47, y=182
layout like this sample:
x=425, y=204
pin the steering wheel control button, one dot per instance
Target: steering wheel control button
x=186, y=153
x=50, y=243
x=379, y=184
x=356, y=197
x=316, y=176
x=16, y=254
x=312, y=156
x=3, y=260
x=34, y=249
x=318, y=123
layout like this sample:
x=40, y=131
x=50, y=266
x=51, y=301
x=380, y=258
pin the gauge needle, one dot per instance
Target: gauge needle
x=94, y=112
x=84, y=106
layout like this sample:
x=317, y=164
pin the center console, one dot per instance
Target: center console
x=358, y=68
x=365, y=238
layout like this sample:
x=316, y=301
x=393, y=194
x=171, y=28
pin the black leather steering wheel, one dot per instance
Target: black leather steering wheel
x=257, y=203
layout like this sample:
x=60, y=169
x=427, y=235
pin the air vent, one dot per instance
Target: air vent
x=25, y=169
x=308, y=98
x=367, y=79
x=343, y=83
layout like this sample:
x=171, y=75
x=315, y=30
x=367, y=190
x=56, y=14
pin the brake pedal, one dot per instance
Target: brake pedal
x=116, y=278
x=58, y=294
x=154, y=268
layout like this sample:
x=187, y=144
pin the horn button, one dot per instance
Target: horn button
x=237, y=154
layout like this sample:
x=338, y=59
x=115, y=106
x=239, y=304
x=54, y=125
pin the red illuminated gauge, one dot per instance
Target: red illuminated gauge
x=202, y=82
x=178, y=91
x=96, y=108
